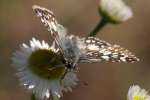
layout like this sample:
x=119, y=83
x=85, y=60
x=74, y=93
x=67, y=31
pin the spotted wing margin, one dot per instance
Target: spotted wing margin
x=47, y=18
x=97, y=50
x=56, y=30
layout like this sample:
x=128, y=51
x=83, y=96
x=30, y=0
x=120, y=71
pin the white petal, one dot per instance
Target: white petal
x=116, y=10
x=37, y=85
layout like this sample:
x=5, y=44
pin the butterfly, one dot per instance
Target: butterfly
x=76, y=50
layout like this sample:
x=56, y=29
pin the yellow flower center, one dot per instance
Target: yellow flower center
x=46, y=64
x=138, y=97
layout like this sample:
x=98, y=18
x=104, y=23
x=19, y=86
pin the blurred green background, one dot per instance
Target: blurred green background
x=104, y=81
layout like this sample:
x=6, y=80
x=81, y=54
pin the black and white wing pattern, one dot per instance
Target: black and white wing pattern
x=98, y=50
x=57, y=31
x=47, y=18
x=93, y=50
x=66, y=44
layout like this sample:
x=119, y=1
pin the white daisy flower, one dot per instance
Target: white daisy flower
x=115, y=11
x=136, y=93
x=40, y=69
x=48, y=71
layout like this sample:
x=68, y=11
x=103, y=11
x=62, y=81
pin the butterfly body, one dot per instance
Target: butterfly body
x=81, y=50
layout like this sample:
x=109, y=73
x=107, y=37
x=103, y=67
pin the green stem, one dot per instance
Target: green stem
x=55, y=97
x=33, y=97
x=99, y=26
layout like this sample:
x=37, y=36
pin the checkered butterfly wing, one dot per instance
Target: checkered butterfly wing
x=66, y=44
x=97, y=50
x=48, y=19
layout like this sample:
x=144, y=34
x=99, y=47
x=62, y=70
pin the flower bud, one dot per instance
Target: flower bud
x=115, y=11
